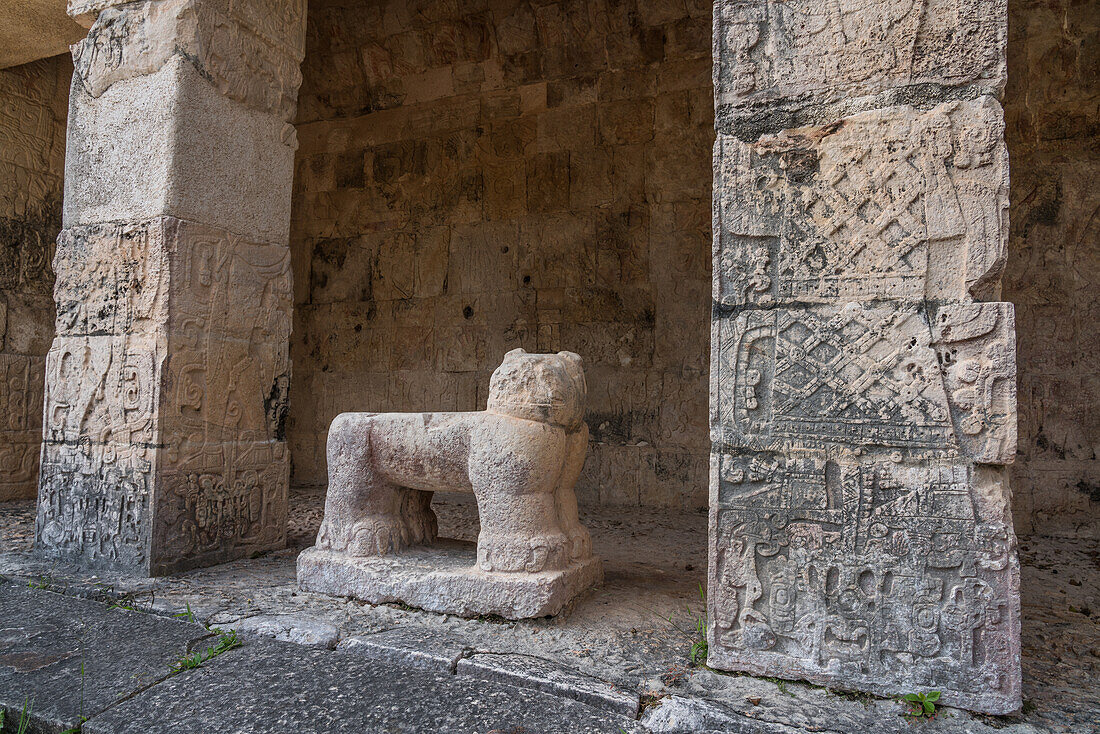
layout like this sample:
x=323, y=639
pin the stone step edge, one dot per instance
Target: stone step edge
x=599, y=693
x=469, y=662
x=578, y=686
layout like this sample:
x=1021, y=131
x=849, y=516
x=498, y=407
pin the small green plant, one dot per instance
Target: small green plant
x=921, y=705
x=24, y=719
x=226, y=641
x=76, y=729
x=186, y=616
x=697, y=635
x=779, y=683
x=126, y=602
x=42, y=582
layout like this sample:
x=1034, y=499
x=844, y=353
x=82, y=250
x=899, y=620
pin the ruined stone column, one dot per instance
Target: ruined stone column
x=863, y=400
x=166, y=385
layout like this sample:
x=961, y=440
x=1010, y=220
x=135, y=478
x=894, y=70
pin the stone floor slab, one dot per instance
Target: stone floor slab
x=278, y=687
x=418, y=648
x=634, y=630
x=297, y=628
x=543, y=675
x=445, y=578
x=46, y=638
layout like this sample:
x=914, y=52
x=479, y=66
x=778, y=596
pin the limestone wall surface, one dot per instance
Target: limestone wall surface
x=33, y=109
x=1052, y=114
x=508, y=174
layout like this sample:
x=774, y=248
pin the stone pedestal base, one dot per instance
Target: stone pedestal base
x=444, y=578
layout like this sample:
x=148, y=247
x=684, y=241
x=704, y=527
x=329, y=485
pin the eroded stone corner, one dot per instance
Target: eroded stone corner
x=250, y=52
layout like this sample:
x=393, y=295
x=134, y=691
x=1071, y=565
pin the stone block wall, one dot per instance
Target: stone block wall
x=1052, y=111
x=508, y=174
x=33, y=108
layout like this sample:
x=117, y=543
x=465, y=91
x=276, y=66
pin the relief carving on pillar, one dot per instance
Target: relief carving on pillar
x=868, y=571
x=838, y=48
x=926, y=384
x=102, y=391
x=99, y=447
x=250, y=50
x=863, y=389
x=112, y=279
x=225, y=466
x=168, y=378
x=894, y=203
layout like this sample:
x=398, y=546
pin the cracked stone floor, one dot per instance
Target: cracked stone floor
x=632, y=632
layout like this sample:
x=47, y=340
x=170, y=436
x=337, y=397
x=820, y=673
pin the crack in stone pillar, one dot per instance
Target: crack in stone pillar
x=167, y=379
x=863, y=398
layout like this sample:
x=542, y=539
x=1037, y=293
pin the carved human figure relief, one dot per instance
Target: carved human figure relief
x=520, y=458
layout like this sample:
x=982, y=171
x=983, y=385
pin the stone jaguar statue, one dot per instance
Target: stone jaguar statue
x=520, y=458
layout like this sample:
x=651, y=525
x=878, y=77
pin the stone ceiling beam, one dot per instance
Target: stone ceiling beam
x=35, y=29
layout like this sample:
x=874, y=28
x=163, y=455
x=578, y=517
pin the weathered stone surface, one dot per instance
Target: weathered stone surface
x=162, y=143
x=777, y=58
x=680, y=715
x=445, y=578
x=201, y=432
x=893, y=204
x=32, y=135
x=278, y=687
x=419, y=648
x=46, y=639
x=296, y=628
x=520, y=458
x=863, y=389
x=526, y=671
x=249, y=51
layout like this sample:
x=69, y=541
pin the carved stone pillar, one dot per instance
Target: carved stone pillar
x=863, y=400
x=166, y=385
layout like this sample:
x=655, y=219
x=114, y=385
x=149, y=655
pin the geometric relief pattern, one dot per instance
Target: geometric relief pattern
x=892, y=203
x=195, y=438
x=867, y=571
x=875, y=375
